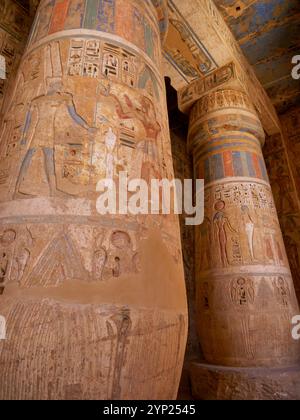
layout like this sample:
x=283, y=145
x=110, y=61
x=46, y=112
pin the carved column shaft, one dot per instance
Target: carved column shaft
x=15, y=24
x=245, y=292
x=95, y=305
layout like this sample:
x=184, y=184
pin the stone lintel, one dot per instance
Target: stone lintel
x=217, y=38
x=224, y=77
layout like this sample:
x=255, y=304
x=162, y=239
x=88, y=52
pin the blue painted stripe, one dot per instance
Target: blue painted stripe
x=206, y=170
x=217, y=167
x=263, y=169
x=251, y=169
x=237, y=164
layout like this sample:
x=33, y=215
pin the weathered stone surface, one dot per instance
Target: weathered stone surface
x=95, y=305
x=15, y=24
x=221, y=383
x=281, y=157
x=208, y=44
x=245, y=295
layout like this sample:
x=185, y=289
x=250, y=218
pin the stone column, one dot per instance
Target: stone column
x=15, y=24
x=95, y=304
x=245, y=295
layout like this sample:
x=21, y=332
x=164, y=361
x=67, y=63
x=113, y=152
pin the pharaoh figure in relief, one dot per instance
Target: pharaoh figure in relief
x=91, y=310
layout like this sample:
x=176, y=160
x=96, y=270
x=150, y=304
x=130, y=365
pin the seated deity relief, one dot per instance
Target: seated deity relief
x=115, y=257
x=83, y=253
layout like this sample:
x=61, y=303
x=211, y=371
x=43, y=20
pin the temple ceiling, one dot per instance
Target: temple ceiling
x=200, y=47
x=268, y=31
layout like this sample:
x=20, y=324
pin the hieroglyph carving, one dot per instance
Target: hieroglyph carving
x=120, y=131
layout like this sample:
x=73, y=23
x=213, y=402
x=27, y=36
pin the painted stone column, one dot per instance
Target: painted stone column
x=245, y=296
x=95, y=304
x=15, y=24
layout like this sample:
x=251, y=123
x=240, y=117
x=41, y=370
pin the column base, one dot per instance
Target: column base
x=211, y=382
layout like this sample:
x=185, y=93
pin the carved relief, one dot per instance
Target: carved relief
x=117, y=339
x=204, y=236
x=195, y=90
x=71, y=157
x=194, y=63
x=218, y=100
x=15, y=245
x=7, y=242
x=121, y=253
x=87, y=106
x=223, y=228
x=282, y=291
x=244, y=227
x=242, y=292
x=14, y=27
x=79, y=252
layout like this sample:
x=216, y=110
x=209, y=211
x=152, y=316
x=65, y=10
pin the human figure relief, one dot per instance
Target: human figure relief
x=282, y=291
x=242, y=292
x=121, y=252
x=110, y=143
x=99, y=261
x=147, y=153
x=39, y=133
x=221, y=223
x=21, y=261
x=206, y=241
x=273, y=246
x=249, y=228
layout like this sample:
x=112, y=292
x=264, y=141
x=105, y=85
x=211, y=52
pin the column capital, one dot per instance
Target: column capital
x=224, y=77
x=227, y=110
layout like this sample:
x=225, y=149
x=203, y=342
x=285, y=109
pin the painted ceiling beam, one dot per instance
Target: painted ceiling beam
x=201, y=25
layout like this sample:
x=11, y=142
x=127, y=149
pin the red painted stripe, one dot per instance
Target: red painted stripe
x=201, y=170
x=59, y=16
x=124, y=20
x=256, y=165
x=228, y=167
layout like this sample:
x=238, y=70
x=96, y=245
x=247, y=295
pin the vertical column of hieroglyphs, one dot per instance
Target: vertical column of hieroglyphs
x=95, y=305
x=245, y=293
x=14, y=28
